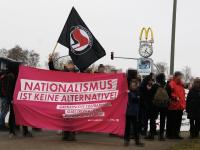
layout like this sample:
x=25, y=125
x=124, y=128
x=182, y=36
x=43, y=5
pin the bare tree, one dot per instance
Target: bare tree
x=30, y=58
x=3, y=52
x=187, y=74
x=162, y=67
x=33, y=58
x=18, y=54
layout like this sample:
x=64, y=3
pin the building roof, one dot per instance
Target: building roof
x=8, y=60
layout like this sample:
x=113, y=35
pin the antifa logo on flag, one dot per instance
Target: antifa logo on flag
x=84, y=49
x=80, y=40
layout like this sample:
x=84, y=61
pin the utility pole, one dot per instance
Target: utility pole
x=173, y=37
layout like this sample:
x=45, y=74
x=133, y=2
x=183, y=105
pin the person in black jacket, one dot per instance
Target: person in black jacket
x=153, y=110
x=9, y=87
x=132, y=114
x=4, y=103
x=193, y=109
x=70, y=67
x=160, y=108
x=147, y=108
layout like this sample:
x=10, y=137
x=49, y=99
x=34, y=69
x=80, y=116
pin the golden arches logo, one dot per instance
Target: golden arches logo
x=146, y=32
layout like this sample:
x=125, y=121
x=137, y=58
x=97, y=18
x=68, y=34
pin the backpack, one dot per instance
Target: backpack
x=161, y=98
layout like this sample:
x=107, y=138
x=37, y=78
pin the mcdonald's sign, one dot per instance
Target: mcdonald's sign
x=146, y=33
x=146, y=42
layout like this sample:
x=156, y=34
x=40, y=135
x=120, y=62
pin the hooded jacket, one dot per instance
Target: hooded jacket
x=177, y=95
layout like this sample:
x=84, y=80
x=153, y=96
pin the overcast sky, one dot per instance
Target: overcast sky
x=36, y=24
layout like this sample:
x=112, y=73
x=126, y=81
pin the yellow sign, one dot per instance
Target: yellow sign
x=146, y=32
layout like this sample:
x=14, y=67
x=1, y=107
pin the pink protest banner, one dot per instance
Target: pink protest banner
x=71, y=101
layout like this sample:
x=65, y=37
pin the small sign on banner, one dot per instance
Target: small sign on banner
x=144, y=66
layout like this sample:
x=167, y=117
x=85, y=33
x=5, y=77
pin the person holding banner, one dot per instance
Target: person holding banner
x=70, y=67
x=10, y=84
x=132, y=114
x=4, y=103
x=10, y=79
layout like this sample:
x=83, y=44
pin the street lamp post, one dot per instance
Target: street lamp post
x=173, y=37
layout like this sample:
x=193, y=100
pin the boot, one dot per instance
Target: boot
x=126, y=143
x=150, y=137
x=138, y=143
x=161, y=137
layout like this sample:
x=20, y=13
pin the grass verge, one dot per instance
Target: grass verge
x=187, y=145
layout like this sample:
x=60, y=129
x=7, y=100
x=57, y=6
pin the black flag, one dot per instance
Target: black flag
x=84, y=49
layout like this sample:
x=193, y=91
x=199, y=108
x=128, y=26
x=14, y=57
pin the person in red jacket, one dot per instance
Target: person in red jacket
x=177, y=104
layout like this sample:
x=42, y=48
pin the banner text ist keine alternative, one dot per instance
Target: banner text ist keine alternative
x=47, y=91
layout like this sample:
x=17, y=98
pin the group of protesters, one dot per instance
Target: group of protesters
x=149, y=98
x=155, y=96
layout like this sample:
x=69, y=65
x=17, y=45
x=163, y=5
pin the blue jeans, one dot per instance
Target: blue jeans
x=4, y=110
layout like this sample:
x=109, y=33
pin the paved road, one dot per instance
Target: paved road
x=87, y=141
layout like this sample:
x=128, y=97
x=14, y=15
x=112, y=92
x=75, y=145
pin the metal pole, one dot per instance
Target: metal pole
x=173, y=37
x=127, y=58
x=54, y=48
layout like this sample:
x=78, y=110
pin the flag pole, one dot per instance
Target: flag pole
x=54, y=48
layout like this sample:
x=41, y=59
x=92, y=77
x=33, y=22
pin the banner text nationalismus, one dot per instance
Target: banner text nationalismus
x=47, y=91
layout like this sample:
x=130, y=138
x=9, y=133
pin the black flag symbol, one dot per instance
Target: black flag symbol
x=84, y=49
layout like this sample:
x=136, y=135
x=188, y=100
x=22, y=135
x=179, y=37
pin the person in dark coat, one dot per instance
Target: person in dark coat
x=193, y=108
x=161, y=108
x=145, y=104
x=70, y=67
x=4, y=102
x=132, y=114
x=147, y=108
x=9, y=86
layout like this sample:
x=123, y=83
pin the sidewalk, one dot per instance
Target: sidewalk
x=85, y=141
